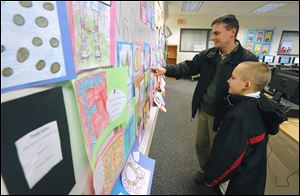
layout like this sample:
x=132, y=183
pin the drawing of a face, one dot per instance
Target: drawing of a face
x=137, y=59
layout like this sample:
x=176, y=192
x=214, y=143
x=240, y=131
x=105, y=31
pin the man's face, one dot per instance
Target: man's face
x=221, y=36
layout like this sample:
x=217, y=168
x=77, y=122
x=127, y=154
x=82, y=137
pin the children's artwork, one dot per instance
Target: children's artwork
x=101, y=100
x=125, y=56
x=268, y=36
x=265, y=49
x=147, y=56
x=110, y=162
x=159, y=101
x=139, y=124
x=259, y=36
x=136, y=177
x=138, y=51
x=138, y=173
x=251, y=35
x=40, y=51
x=129, y=137
x=258, y=41
x=150, y=14
x=146, y=110
x=143, y=11
x=249, y=46
x=158, y=15
x=285, y=47
x=257, y=49
x=92, y=34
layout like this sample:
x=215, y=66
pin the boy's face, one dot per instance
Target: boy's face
x=221, y=36
x=236, y=84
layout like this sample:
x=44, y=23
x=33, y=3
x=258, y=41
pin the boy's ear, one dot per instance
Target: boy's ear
x=247, y=85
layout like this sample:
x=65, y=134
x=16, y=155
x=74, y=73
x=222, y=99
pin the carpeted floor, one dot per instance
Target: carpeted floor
x=173, y=144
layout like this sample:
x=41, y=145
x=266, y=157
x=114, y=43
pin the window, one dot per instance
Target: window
x=194, y=40
x=289, y=43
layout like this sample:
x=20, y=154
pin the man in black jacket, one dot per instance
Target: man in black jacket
x=215, y=66
x=239, y=152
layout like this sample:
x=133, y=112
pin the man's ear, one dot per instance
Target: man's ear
x=234, y=30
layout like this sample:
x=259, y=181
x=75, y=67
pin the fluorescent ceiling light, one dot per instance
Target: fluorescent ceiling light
x=191, y=6
x=268, y=7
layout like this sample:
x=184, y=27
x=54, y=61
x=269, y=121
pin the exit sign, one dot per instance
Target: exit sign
x=180, y=21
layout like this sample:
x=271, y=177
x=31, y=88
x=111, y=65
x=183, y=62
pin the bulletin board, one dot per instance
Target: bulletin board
x=104, y=49
x=259, y=41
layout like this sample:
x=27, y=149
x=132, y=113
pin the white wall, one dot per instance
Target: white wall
x=277, y=23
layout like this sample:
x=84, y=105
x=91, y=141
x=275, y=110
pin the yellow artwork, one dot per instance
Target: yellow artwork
x=257, y=48
x=268, y=36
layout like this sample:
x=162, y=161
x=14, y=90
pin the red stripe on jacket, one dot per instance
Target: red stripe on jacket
x=251, y=141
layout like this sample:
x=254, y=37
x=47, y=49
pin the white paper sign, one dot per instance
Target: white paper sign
x=39, y=151
x=115, y=103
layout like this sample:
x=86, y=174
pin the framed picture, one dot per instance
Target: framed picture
x=265, y=49
x=249, y=46
x=259, y=36
x=251, y=35
x=268, y=36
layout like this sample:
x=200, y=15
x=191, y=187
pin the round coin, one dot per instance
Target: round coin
x=41, y=21
x=48, y=6
x=22, y=55
x=7, y=72
x=55, y=67
x=40, y=65
x=54, y=42
x=37, y=41
x=19, y=20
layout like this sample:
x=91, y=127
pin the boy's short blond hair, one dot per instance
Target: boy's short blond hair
x=258, y=73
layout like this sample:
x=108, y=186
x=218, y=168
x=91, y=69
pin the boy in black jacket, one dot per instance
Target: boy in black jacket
x=240, y=146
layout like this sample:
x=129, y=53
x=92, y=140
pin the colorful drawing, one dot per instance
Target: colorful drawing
x=110, y=162
x=268, y=36
x=265, y=49
x=138, y=173
x=150, y=14
x=129, y=137
x=249, y=46
x=101, y=101
x=146, y=110
x=92, y=96
x=251, y=35
x=138, y=50
x=125, y=56
x=35, y=44
x=257, y=49
x=259, y=36
x=143, y=12
x=147, y=56
x=158, y=15
x=93, y=34
x=286, y=47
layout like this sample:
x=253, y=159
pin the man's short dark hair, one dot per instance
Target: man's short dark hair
x=230, y=21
